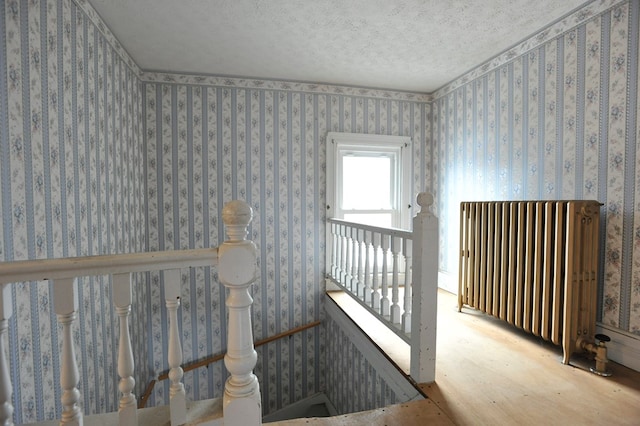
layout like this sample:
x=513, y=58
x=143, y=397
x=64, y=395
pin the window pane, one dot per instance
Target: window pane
x=382, y=220
x=366, y=182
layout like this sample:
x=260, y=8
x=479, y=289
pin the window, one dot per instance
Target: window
x=368, y=179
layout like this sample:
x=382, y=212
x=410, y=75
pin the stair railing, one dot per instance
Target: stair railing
x=236, y=259
x=368, y=261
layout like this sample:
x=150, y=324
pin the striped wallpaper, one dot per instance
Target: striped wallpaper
x=99, y=157
x=208, y=142
x=70, y=141
x=557, y=122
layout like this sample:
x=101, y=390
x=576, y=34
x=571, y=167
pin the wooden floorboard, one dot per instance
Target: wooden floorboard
x=489, y=373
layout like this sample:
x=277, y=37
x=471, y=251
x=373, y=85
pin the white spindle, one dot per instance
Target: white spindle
x=384, y=302
x=367, y=268
x=334, y=251
x=408, y=289
x=65, y=297
x=122, y=299
x=342, y=247
x=177, y=397
x=396, y=244
x=6, y=407
x=347, y=262
x=237, y=270
x=354, y=260
x=375, y=291
x=360, y=239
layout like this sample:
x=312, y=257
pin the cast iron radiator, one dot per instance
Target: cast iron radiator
x=533, y=264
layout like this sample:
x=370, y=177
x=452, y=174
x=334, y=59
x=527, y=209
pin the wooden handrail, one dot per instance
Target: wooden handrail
x=214, y=358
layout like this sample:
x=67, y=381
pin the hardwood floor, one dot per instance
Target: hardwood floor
x=489, y=373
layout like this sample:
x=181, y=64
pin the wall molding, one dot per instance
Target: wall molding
x=624, y=347
x=554, y=30
x=95, y=18
x=446, y=281
x=280, y=85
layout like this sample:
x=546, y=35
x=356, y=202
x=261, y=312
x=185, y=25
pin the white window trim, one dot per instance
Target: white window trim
x=368, y=142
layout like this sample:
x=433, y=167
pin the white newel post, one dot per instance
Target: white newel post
x=65, y=296
x=177, y=396
x=425, y=292
x=237, y=269
x=6, y=407
x=122, y=299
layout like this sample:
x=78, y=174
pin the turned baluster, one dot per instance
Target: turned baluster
x=354, y=261
x=367, y=267
x=177, y=397
x=375, y=291
x=360, y=289
x=6, y=407
x=122, y=298
x=384, y=302
x=348, y=278
x=65, y=297
x=396, y=243
x=408, y=286
x=237, y=260
x=342, y=276
x=334, y=250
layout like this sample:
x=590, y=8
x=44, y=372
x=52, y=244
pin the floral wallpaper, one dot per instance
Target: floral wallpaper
x=353, y=383
x=559, y=121
x=69, y=144
x=211, y=140
x=98, y=157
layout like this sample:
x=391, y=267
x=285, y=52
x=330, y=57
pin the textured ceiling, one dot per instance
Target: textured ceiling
x=414, y=45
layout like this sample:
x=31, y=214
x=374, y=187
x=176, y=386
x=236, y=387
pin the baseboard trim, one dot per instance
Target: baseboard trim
x=447, y=282
x=624, y=347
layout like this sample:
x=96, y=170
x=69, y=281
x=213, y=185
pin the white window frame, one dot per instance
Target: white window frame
x=398, y=146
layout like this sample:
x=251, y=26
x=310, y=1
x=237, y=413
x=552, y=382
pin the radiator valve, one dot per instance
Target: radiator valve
x=600, y=352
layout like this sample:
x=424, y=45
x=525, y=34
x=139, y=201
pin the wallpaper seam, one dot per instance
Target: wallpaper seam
x=28, y=183
x=580, y=108
x=603, y=147
x=559, y=109
x=630, y=167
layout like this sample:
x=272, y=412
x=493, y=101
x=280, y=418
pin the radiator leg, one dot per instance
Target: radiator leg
x=600, y=351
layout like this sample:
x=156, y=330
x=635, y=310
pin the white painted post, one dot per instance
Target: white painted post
x=122, y=298
x=425, y=292
x=65, y=296
x=177, y=396
x=408, y=283
x=6, y=407
x=237, y=269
